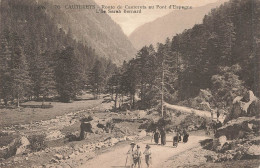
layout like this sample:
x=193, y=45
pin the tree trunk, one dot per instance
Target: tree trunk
x=133, y=101
x=18, y=101
x=112, y=94
x=116, y=100
x=162, y=93
x=43, y=100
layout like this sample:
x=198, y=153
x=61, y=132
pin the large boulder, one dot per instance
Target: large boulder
x=142, y=134
x=254, y=108
x=17, y=146
x=204, y=106
x=205, y=95
x=24, y=143
x=95, y=125
x=239, y=128
x=141, y=114
x=219, y=142
x=254, y=150
x=248, y=105
x=54, y=135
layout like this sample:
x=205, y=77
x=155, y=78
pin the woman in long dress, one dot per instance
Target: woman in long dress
x=156, y=136
x=163, y=136
x=185, y=136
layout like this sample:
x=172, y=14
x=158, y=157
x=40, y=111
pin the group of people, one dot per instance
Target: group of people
x=177, y=136
x=135, y=155
x=159, y=134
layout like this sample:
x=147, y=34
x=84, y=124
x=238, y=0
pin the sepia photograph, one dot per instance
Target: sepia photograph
x=129, y=84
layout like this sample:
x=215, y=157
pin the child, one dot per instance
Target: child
x=148, y=157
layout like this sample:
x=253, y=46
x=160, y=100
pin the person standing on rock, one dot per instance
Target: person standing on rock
x=163, y=136
x=130, y=155
x=148, y=155
x=137, y=156
x=156, y=136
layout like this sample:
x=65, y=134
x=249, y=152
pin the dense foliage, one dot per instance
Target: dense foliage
x=39, y=60
x=219, y=54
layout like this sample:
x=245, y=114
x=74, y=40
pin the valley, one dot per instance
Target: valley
x=179, y=91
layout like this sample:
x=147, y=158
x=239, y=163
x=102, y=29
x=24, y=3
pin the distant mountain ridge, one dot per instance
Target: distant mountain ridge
x=96, y=30
x=169, y=25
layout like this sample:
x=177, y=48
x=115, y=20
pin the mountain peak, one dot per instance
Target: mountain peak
x=169, y=25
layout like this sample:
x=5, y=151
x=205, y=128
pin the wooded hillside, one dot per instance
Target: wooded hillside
x=38, y=59
x=220, y=54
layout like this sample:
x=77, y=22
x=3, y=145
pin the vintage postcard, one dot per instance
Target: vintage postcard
x=129, y=83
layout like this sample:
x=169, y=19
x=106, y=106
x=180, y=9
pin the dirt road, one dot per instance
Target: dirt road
x=205, y=114
x=160, y=154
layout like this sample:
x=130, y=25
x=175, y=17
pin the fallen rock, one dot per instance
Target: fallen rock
x=239, y=128
x=54, y=135
x=248, y=105
x=58, y=156
x=222, y=140
x=113, y=141
x=24, y=144
x=204, y=106
x=254, y=150
x=54, y=161
x=130, y=138
x=254, y=108
x=142, y=134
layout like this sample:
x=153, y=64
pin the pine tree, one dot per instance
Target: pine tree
x=5, y=69
x=45, y=83
x=19, y=70
x=97, y=78
x=68, y=75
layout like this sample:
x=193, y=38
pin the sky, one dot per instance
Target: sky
x=129, y=22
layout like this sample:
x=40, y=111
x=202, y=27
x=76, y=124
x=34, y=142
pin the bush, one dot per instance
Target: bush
x=10, y=151
x=37, y=142
x=87, y=119
x=6, y=138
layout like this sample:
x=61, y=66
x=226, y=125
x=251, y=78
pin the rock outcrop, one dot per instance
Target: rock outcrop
x=239, y=128
x=248, y=105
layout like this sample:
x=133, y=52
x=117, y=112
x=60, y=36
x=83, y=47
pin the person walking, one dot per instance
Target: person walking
x=212, y=113
x=176, y=138
x=185, y=136
x=180, y=134
x=156, y=136
x=130, y=155
x=163, y=136
x=148, y=155
x=137, y=156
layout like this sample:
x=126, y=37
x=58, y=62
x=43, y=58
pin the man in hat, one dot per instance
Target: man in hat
x=148, y=155
x=137, y=156
x=130, y=156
